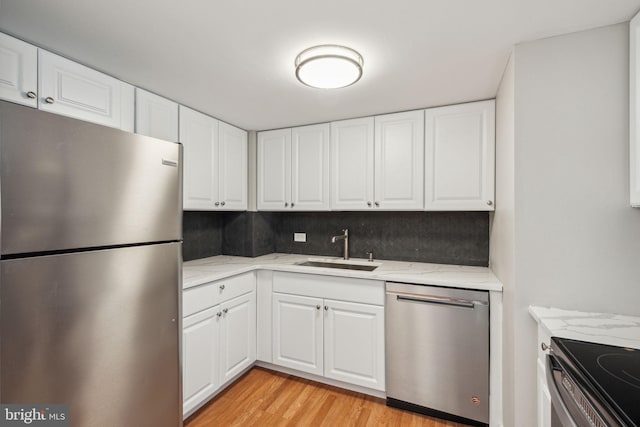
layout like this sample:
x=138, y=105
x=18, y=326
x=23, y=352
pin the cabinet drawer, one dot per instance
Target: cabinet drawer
x=332, y=287
x=202, y=297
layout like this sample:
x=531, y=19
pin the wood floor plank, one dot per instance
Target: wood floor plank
x=272, y=399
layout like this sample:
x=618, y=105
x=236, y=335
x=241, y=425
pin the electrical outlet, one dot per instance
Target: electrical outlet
x=299, y=237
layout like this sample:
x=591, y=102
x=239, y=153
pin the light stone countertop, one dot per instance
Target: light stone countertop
x=205, y=270
x=602, y=328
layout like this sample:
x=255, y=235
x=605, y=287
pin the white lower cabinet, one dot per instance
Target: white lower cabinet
x=237, y=335
x=199, y=357
x=544, y=398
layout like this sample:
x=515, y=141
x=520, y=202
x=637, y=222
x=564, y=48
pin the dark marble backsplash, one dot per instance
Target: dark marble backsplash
x=438, y=237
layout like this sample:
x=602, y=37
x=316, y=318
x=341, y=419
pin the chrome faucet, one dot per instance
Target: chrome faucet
x=344, y=236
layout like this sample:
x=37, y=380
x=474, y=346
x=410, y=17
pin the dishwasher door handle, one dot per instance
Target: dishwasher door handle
x=441, y=301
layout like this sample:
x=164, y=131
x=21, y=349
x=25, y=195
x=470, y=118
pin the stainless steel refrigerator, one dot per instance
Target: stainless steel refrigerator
x=90, y=279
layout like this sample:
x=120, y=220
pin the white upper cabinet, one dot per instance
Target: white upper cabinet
x=232, y=143
x=310, y=168
x=352, y=160
x=18, y=71
x=156, y=116
x=460, y=157
x=199, y=136
x=293, y=169
x=634, y=120
x=274, y=170
x=215, y=163
x=74, y=90
x=399, y=167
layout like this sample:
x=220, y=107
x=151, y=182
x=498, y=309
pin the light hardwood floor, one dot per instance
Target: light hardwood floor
x=266, y=398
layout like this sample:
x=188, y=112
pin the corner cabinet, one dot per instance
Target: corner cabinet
x=18, y=71
x=215, y=163
x=156, y=116
x=460, y=157
x=293, y=169
x=634, y=111
x=73, y=90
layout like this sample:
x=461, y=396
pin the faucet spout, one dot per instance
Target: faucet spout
x=344, y=237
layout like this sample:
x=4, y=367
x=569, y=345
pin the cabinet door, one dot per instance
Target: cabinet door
x=18, y=71
x=156, y=116
x=459, y=157
x=352, y=164
x=74, y=90
x=634, y=110
x=297, y=332
x=199, y=357
x=232, y=143
x=199, y=136
x=310, y=168
x=399, y=164
x=274, y=170
x=544, y=398
x=237, y=335
x=354, y=343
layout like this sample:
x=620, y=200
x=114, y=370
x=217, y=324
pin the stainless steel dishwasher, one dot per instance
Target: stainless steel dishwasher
x=437, y=351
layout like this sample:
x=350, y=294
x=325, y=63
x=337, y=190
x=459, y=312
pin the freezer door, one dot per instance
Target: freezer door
x=70, y=184
x=96, y=330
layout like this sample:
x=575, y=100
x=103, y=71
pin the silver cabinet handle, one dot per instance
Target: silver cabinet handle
x=222, y=287
x=441, y=301
x=544, y=346
x=292, y=204
x=326, y=308
x=489, y=202
x=286, y=204
x=369, y=204
x=225, y=311
x=219, y=314
x=217, y=203
x=31, y=94
x=223, y=203
x=49, y=100
x=377, y=204
x=317, y=307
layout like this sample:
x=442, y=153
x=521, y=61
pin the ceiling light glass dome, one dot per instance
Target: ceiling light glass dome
x=329, y=66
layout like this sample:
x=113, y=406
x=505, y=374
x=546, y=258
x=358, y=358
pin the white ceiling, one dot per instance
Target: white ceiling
x=233, y=59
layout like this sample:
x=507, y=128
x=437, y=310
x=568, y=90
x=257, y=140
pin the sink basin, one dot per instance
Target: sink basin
x=344, y=265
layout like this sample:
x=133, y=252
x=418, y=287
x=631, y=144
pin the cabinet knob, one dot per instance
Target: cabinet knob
x=489, y=202
x=217, y=203
x=292, y=204
x=286, y=204
x=326, y=308
x=49, y=100
x=219, y=314
x=544, y=346
x=225, y=311
x=317, y=307
x=369, y=204
x=223, y=203
x=222, y=287
x=31, y=94
x=377, y=204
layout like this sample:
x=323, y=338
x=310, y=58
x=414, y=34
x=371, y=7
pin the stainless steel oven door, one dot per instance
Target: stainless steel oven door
x=570, y=404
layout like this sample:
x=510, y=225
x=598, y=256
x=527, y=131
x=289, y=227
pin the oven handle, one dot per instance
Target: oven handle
x=554, y=377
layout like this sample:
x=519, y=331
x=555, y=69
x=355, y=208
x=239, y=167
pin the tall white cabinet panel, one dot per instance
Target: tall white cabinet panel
x=199, y=357
x=156, y=116
x=460, y=157
x=74, y=90
x=352, y=161
x=199, y=136
x=18, y=71
x=232, y=167
x=274, y=170
x=634, y=110
x=354, y=343
x=310, y=182
x=399, y=164
x=237, y=335
x=297, y=332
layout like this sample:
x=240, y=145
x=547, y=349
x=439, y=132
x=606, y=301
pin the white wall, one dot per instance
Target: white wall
x=501, y=251
x=577, y=241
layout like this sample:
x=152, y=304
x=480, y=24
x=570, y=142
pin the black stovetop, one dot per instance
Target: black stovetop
x=613, y=371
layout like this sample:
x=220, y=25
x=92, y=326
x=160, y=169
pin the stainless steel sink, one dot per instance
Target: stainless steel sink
x=341, y=265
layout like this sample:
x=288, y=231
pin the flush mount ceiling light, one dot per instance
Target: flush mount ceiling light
x=329, y=66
